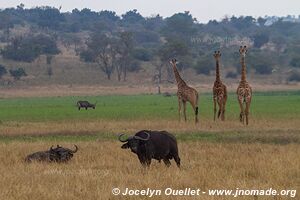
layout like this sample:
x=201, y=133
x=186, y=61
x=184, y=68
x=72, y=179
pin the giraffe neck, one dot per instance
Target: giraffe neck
x=178, y=78
x=218, y=71
x=243, y=72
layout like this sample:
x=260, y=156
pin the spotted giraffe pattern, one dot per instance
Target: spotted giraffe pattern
x=185, y=94
x=219, y=90
x=244, y=90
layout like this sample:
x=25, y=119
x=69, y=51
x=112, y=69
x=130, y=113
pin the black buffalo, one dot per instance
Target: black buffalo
x=85, y=104
x=58, y=154
x=159, y=145
x=46, y=156
x=64, y=154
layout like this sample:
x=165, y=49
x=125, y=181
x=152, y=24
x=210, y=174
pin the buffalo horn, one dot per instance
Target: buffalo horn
x=76, y=149
x=121, y=139
x=140, y=138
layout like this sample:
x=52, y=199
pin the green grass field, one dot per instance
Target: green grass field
x=272, y=105
x=274, y=118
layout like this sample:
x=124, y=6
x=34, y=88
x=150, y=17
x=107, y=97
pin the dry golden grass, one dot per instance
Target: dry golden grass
x=100, y=166
x=130, y=126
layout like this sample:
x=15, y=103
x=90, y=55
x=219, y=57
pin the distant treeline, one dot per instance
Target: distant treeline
x=120, y=43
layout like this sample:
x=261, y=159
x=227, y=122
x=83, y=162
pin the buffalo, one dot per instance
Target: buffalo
x=64, y=154
x=48, y=156
x=85, y=104
x=58, y=154
x=159, y=145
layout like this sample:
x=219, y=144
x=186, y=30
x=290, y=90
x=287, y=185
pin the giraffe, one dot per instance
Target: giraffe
x=244, y=90
x=219, y=90
x=185, y=93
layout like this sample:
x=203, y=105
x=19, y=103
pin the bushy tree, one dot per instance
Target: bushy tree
x=102, y=50
x=29, y=48
x=260, y=39
x=142, y=54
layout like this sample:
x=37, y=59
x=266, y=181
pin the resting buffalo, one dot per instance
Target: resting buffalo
x=58, y=154
x=159, y=145
x=49, y=156
x=85, y=104
x=64, y=154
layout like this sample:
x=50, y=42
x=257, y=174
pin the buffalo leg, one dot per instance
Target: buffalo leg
x=177, y=160
x=167, y=162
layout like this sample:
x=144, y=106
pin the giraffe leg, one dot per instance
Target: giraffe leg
x=242, y=110
x=215, y=108
x=220, y=108
x=184, y=110
x=247, y=110
x=223, y=110
x=195, y=108
x=179, y=108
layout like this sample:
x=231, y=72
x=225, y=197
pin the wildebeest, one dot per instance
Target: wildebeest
x=159, y=145
x=85, y=104
x=58, y=154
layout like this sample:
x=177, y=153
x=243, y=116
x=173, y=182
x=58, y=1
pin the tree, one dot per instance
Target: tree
x=125, y=50
x=260, y=39
x=261, y=21
x=29, y=48
x=180, y=26
x=132, y=17
x=174, y=49
x=49, y=17
x=6, y=24
x=102, y=50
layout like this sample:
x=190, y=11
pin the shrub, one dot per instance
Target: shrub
x=17, y=73
x=204, y=66
x=142, y=54
x=3, y=71
x=294, y=77
x=134, y=66
x=263, y=69
x=295, y=62
x=231, y=75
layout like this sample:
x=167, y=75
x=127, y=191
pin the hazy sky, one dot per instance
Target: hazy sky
x=203, y=10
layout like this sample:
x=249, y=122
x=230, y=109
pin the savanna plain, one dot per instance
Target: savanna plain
x=214, y=155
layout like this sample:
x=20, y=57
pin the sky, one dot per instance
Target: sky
x=203, y=10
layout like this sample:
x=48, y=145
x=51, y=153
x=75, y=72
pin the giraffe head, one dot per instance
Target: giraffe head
x=173, y=61
x=243, y=50
x=217, y=55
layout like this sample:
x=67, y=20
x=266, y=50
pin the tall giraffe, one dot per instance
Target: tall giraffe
x=185, y=93
x=244, y=90
x=219, y=90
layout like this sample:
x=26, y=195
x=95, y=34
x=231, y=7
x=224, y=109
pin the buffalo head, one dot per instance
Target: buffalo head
x=133, y=142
